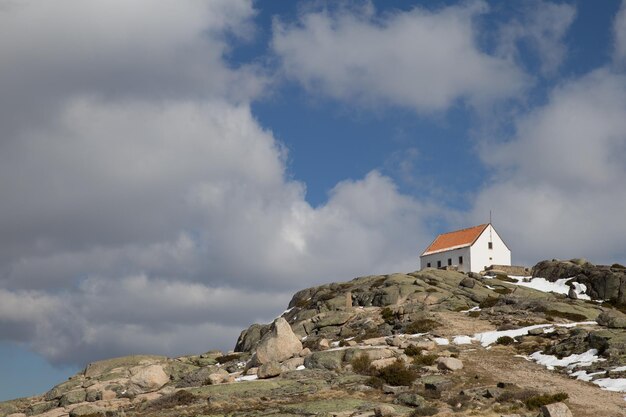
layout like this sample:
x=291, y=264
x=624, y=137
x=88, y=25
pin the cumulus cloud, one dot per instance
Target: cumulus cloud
x=408, y=59
x=619, y=36
x=144, y=207
x=542, y=26
x=192, y=193
x=558, y=184
x=118, y=49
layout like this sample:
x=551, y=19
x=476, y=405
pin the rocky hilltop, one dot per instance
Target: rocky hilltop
x=429, y=343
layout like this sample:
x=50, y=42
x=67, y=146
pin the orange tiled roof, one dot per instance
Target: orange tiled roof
x=454, y=240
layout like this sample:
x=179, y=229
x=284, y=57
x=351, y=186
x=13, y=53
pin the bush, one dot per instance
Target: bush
x=424, y=360
x=412, y=350
x=544, y=399
x=424, y=411
x=503, y=290
x=421, y=326
x=375, y=382
x=505, y=340
x=388, y=315
x=618, y=266
x=514, y=395
x=362, y=364
x=397, y=374
x=475, y=313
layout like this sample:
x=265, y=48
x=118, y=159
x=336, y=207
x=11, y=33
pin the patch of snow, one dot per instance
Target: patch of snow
x=584, y=376
x=571, y=361
x=559, y=286
x=488, y=338
x=612, y=384
x=334, y=344
x=471, y=309
x=414, y=335
x=441, y=341
x=490, y=287
x=246, y=378
x=619, y=369
x=301, y=367
x=462, y=340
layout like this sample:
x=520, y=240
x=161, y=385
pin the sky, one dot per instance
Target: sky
x=173, y=171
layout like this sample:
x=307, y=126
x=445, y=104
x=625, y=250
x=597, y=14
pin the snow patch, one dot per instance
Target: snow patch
x=559, y=286
x=462, y=340
x=571, y=361
x=246, y=378
x=441, y=341
x=612, y=384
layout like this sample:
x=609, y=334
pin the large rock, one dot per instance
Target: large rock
x=603, y=282
x=73, y=397
x=613, y=319
x=280, y=343
x=250, y=338
x=269, y=370
x=149, y=378
x=328, y=359
x=450, y=364
x=87, y=411
x=98, y=368
x=556, y=410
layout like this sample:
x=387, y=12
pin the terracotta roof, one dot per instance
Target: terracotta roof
x=454, y=240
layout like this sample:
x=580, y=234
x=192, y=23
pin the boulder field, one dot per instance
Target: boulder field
x=428, y=343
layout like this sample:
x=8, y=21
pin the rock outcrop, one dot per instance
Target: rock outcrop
x=375, y=345
x=603, y=282
x=278, y=344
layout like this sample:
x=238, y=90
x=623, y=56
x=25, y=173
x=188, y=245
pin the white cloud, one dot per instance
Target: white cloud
x=143, y=204
x=558, y=189
x=619, y=36
x=407, y=59
x=542, y=26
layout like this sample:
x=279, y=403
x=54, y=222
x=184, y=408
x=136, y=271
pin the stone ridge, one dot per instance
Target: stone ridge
x=374, y=346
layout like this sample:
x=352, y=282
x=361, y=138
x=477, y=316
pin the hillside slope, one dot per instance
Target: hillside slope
x=432, y=342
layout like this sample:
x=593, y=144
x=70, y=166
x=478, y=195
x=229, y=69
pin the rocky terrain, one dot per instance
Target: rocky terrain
x=428, y=343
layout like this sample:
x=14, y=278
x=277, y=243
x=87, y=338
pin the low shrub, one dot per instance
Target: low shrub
x=505, y=340
x=513, y=395
x=397, y=374
x=460, y=402
x=502, y=290
x=538, y=401
x=475, y=313
x=421, y=326
x=412, y=350
x=388, y=315
x=375, y=382
x=424, y=411
x=424, y=360
x=618, y=266
x=362, y=364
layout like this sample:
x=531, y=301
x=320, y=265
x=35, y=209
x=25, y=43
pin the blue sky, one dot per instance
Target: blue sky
x=172, y=173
